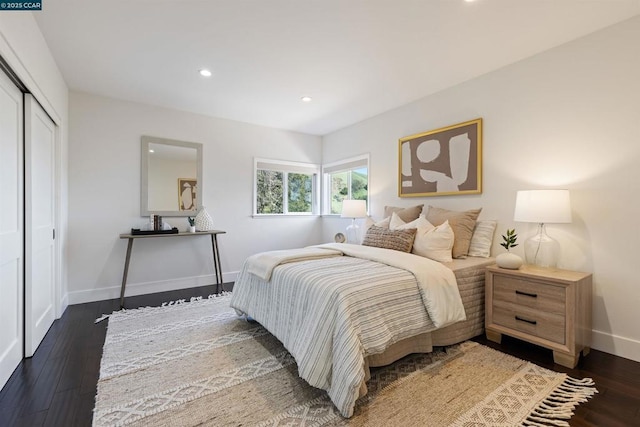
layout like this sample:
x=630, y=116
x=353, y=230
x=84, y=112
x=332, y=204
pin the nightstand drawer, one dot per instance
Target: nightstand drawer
x=545, y=325
x=527, y=293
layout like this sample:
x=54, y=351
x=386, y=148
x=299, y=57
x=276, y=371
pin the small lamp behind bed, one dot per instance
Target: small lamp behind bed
x=353, y=209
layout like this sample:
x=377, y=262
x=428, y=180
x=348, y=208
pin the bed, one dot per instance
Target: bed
x=359, y=307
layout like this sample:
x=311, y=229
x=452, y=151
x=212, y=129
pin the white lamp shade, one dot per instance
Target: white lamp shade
x=354, y=209
x=543, y=206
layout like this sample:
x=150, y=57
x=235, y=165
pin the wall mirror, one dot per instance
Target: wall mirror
x=171, y=177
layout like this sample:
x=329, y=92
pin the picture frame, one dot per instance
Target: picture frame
x=441, y=162
x=187, y=190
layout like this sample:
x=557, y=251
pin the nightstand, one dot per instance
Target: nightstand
x=544, y=306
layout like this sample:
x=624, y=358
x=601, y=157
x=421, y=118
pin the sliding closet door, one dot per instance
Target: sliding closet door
x=40, y=179
x=11, y=228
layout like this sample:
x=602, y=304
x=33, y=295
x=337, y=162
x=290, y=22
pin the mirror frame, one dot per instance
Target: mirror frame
x=144, y=175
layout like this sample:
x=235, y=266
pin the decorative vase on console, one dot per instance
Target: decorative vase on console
x=203, y=221
x=509, y=260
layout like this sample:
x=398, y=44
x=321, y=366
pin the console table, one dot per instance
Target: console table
x=214, y=245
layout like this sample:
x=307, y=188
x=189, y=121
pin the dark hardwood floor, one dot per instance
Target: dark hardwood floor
x=57, y=386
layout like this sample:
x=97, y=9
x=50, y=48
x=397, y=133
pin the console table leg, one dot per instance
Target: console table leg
x=126, y=272
x=216, y=262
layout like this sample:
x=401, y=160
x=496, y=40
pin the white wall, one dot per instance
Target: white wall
x=104, y=197
x=566, y=118
x=25, y=50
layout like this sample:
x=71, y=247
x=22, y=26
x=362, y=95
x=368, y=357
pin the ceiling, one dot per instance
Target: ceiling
x=355, y=58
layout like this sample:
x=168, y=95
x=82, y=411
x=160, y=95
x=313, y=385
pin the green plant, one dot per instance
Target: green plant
x=192, y=221
x=509, y=241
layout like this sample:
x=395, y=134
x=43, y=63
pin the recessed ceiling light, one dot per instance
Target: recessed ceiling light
x=306, y=99
x=204, y=72
x=151, y=150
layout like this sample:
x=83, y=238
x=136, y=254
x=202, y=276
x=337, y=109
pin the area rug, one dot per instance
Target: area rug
x=198, y=364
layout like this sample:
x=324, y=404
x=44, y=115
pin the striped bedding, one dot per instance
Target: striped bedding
x=332, y=313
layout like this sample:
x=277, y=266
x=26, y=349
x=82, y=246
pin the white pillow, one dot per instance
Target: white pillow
x=482, y=238
x=430, y=242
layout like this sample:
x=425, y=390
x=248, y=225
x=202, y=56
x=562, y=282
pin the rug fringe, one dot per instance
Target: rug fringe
x=164, y=304
x=560, y=404
x=194, y=299
x=101, y=318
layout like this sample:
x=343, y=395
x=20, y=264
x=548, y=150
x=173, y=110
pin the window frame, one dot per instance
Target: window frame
x=287, y=167
x=344, y=165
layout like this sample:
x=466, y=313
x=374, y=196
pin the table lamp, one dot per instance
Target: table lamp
x=542, y=207
x=353, y=209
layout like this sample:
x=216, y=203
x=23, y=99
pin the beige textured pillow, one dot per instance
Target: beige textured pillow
x=399, y=240
x=405, y=214
x=462, y=224
x=430, y=242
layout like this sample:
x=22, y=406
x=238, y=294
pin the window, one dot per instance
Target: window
x=285, y=188
x=346, y=179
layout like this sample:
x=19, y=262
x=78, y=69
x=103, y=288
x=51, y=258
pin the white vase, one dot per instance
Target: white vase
x=509, y=260
x=203, y=220
x=192, y=229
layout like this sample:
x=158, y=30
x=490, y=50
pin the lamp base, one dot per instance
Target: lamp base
x=541, y=249
x=353, y=233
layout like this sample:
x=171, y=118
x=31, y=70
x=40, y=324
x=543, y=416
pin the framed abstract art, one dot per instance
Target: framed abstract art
x=441, y=162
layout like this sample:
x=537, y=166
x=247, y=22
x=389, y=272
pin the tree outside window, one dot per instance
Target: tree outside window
x=346, y=184
x=285, y=188
x=300, y=193
x=269, y=192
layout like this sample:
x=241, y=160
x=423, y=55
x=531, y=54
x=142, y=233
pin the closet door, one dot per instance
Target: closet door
x=11, y=228
x=40, y=179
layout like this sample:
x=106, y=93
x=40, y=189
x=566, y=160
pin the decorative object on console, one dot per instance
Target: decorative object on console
x=353, y=209
x=139, y=232
x=441, y=162
x=155, y=223
x=339, y=238
x=203, y=221
x=542, y=207
x=192, y=224
x=509, y=260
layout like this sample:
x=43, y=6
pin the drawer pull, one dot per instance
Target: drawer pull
x=526, y=294
x=532, y=322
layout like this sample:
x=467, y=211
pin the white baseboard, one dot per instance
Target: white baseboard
x=111, y=292
x=64, y=303
x=616, y=345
